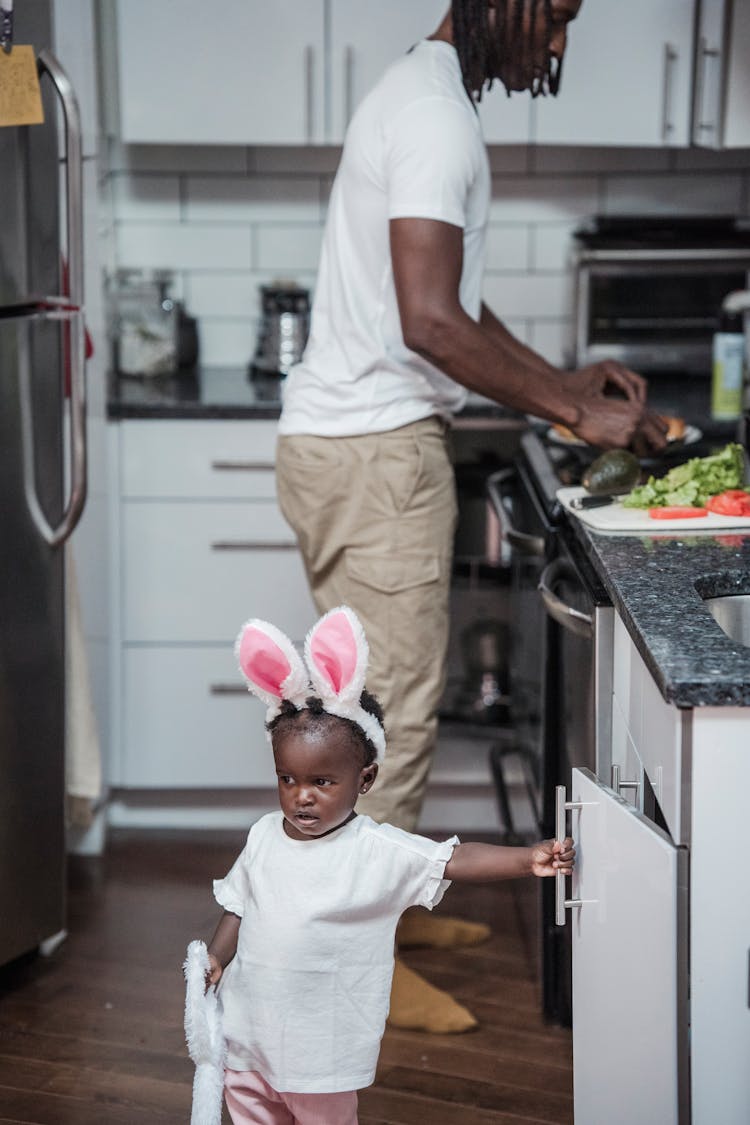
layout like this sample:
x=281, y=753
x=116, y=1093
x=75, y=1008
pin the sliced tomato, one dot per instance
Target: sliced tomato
x=733, y=502
x=677, y=512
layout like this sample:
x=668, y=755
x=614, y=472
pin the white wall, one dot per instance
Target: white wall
x=229, y=219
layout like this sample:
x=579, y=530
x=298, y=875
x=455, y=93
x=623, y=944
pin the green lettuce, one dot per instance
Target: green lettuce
x=691, y=483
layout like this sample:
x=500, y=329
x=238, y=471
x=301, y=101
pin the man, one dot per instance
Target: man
x=399, y=333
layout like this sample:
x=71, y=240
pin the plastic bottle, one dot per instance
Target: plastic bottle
x=728, y=364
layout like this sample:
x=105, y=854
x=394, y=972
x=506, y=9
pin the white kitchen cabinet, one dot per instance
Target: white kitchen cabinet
x=240, y=72
x=695, y=763
x=722, y=75
x=261, y=73
x=190, y=722
x=626, y=79
x=292, y=73
x=629, y=988
x=199, y=546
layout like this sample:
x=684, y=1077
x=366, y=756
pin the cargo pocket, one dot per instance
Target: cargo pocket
x=390, y=574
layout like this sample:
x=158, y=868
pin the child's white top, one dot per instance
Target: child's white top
x=306, y=996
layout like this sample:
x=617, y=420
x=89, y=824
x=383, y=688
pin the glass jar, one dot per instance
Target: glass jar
x=144, y=323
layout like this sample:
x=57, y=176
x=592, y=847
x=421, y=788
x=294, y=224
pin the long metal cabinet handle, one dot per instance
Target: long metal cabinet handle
x=574, y=620
x=309, y=92
x=228, y=689
x=704, y=54
x=561, y=902
x=252, y=545
x=241, y=466
x=526, y=544
x=670, y=58
x=348, y=84
x=48, y=64
x=618, y=785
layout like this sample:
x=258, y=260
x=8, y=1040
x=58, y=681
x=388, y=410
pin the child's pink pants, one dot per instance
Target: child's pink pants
x=250, y=1099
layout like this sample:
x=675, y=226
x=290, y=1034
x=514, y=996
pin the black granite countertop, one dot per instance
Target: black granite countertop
x=229, y=392
x=208, y=392
x=658, y=584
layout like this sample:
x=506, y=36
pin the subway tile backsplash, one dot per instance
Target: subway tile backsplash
x=227, y=220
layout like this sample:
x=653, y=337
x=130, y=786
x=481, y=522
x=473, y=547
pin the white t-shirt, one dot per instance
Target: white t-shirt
x=306, y=996
x=414, y=149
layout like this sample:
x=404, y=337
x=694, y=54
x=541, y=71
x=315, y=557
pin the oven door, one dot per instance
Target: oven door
x=529, y=538
x=576, y=721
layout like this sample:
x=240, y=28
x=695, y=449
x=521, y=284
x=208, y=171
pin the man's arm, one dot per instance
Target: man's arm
x=427, y=258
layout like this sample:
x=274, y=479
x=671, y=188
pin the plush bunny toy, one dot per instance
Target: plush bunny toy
x=204, y=1038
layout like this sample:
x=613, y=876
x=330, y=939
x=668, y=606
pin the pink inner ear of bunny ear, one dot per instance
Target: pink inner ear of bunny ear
x=333, y=647
x=262, y=661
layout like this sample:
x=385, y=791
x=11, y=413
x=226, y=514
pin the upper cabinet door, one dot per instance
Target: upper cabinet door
x=365, y=39
x=626, y=77
x=238, y=72
x=629, y=970
x=722, y=75
x=736, y=122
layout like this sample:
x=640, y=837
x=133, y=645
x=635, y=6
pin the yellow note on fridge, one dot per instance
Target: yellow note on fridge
x=20, y=96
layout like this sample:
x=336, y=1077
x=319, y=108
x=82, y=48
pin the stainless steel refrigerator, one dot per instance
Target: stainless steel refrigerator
x=42, y=486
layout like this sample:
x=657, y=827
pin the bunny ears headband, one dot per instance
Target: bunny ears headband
x=336, y=654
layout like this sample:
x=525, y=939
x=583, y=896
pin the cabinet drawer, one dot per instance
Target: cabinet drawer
x=189, y=721
x=197, y=459
x=196, y=572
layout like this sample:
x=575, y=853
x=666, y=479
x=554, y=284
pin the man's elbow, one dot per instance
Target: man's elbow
x=429, y=332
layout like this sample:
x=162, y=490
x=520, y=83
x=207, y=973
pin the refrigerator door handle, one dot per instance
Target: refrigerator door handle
x=77, y=443
x=48, y=64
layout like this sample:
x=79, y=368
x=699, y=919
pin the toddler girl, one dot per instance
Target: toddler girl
x=304, y=950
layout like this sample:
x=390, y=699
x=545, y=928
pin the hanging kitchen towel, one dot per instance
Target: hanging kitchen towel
x=83, y=764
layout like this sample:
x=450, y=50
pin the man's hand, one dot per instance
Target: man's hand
x=611, y=421
x=549, y=857
x=597, y=377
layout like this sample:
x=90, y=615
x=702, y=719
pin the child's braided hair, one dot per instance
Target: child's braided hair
x=313, y=716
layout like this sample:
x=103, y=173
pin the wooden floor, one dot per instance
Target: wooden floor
x=93, y=1035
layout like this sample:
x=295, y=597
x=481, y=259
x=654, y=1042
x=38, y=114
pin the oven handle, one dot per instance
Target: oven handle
x=582, y=624
x=526, y=544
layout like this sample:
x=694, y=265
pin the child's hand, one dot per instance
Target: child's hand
x=550, y=856
x=213, y=974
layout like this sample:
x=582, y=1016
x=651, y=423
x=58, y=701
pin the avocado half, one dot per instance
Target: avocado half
x=617, y=470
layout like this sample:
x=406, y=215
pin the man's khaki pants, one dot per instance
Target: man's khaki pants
x=375, y=517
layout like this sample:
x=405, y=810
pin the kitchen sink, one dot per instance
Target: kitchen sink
x=732, y=613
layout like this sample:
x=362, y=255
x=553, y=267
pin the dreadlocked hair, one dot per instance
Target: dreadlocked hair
x=481, y=49
x=313, y=716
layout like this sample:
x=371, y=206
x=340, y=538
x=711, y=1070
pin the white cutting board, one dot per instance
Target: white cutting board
x=614, y=519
